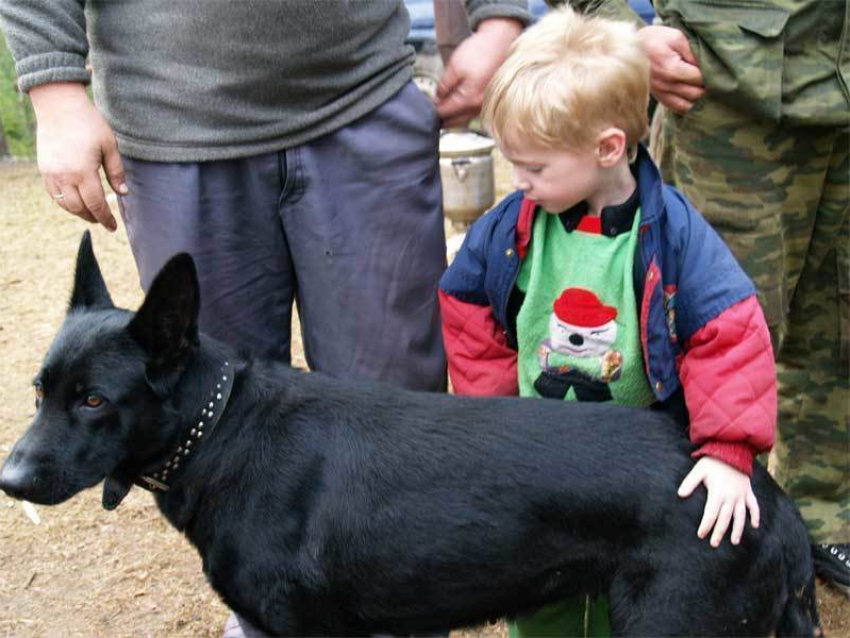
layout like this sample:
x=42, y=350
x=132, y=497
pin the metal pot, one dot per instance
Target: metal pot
x=466, y=169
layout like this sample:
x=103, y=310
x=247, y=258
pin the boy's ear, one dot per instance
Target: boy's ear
x=89, y=288
x=611, y=146
x=167, y=323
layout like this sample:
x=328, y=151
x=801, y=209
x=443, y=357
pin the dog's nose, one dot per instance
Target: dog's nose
x=14, y=479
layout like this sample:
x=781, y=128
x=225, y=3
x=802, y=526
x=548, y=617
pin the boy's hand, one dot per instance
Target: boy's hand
x=730, y=497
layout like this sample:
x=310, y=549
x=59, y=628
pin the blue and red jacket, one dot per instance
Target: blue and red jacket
x=701, y=327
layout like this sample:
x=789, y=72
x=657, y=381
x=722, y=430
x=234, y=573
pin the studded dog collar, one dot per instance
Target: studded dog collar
x=159, y=481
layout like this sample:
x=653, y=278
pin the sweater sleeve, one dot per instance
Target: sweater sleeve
x=47, y=39
x=478, y=10
x=729, y=378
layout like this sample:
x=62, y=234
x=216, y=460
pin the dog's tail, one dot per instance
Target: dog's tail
x=800, y=614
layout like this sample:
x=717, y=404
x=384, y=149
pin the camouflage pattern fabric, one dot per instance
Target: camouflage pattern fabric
x=780, y=195
x=781, y=60
x=764, y=157
x=778, y=60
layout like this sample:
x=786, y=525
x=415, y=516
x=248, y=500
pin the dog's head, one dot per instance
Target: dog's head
x=99, y=393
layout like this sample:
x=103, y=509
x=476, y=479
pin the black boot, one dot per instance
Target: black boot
x=832, y=562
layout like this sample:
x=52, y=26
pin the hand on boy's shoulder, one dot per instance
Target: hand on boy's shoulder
x=675, y=77
x=461, y=89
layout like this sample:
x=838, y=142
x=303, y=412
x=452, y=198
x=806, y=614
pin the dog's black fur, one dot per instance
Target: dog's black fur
x=323, y=506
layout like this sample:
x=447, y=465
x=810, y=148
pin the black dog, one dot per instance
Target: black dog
x=338, y=507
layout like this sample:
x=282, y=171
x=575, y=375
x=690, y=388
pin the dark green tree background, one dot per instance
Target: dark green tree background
x=17, y=122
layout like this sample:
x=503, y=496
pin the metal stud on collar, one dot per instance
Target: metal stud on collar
x=156, y=481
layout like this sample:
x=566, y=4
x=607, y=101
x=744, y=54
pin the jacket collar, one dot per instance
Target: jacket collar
x=615, y=220
x=523, y=226
x=650, y=188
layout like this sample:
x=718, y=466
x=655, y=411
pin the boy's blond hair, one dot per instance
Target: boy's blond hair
x=567, y=79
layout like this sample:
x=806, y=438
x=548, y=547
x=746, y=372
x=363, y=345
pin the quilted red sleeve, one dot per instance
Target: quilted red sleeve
x=480, y=360
x=729, y=379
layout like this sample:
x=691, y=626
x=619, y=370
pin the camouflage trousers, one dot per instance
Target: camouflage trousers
x=779, y=196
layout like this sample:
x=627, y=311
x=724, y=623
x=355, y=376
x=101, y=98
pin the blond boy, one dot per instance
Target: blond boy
x=596, y=282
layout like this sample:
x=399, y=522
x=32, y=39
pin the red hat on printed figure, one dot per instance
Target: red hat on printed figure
x=580, y=307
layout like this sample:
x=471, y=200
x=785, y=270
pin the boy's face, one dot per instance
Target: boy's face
x=557, y=180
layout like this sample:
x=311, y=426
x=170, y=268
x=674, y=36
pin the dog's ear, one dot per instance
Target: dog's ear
x=167, y=323
x=89, y=288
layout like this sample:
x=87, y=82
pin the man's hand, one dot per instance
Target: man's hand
x=73, y=142
x=675, y=76
x=473, y=63
x=730, y=497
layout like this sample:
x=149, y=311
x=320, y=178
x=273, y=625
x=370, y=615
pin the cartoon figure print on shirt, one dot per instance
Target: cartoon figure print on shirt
x=578, y=353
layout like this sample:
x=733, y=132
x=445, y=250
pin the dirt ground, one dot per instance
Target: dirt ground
x=83, y=571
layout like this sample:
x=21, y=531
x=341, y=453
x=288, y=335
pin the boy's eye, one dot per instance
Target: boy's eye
x=534, y=169
x=93, y=401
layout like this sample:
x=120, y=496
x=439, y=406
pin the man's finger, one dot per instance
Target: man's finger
x=452, y=109
x=448, y=82
x=724, y=517
x=456, y=121
x=674, y=103
x=73, y=203
x=55, y=191
x=682, y=46
x=94, y=199
x=114, y=168
x=688, y=92
x=686, y=73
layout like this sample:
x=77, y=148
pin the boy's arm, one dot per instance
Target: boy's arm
x=729, y=378
x=730, y=389
x=480, y=360
x=727, y=370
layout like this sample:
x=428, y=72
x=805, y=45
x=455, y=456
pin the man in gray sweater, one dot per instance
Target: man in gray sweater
x=280, y=142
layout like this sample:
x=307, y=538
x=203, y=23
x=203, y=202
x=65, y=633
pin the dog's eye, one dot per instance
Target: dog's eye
x=93, y=401
x=39, y=393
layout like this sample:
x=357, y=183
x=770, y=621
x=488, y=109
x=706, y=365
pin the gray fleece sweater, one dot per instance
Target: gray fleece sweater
x=196, y=80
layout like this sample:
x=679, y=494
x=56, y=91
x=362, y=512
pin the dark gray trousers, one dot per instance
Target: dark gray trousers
x=349, y=226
